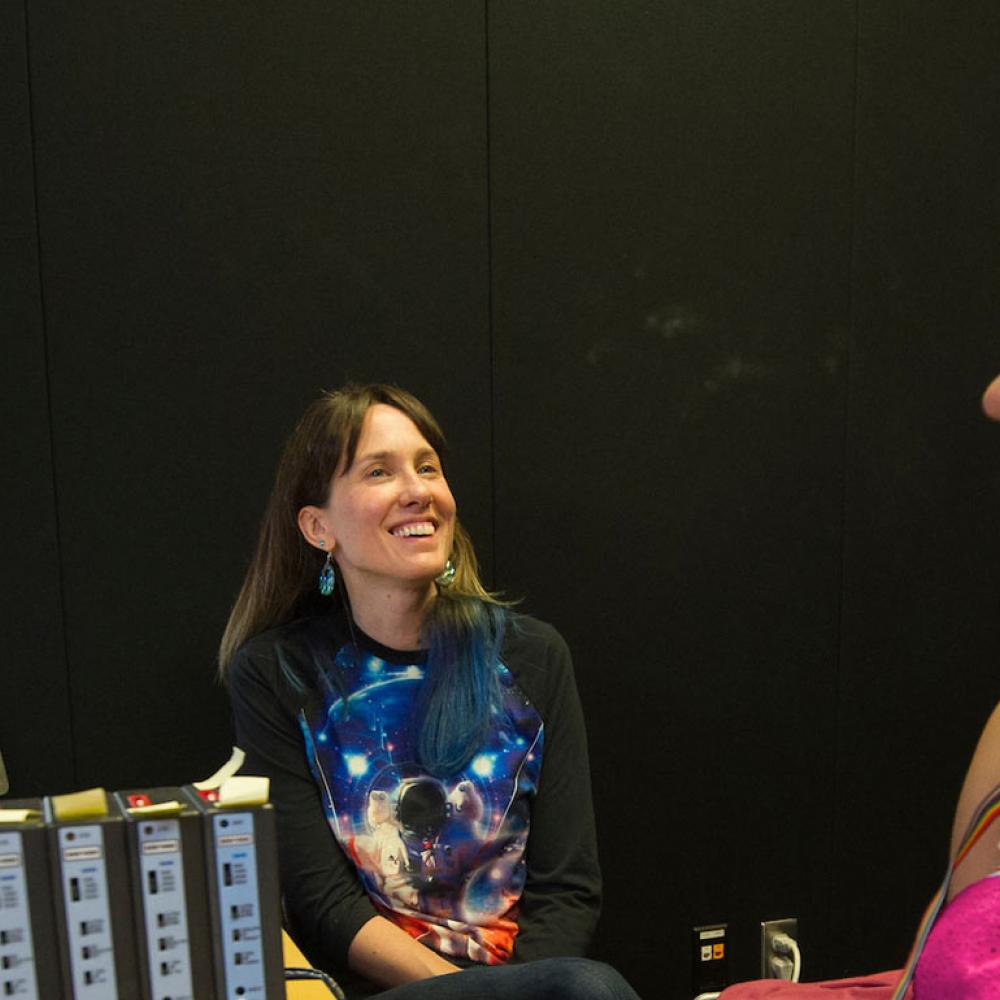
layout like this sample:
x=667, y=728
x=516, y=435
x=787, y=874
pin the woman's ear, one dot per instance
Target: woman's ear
x=314, y=528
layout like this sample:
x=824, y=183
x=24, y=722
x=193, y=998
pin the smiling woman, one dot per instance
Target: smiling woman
x=388, y=522
x=425, y=744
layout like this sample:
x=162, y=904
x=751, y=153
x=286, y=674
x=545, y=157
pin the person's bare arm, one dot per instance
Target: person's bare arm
x=982, y=776
x=388, y=956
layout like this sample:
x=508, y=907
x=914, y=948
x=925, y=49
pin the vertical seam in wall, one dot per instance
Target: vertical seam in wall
x=845, y=458
x=489, y=299
x=59, y=579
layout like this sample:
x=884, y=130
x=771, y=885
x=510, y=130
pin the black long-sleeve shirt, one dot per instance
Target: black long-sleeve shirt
x=320, y=724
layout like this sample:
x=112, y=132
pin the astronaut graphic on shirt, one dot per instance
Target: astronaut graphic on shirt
x=442, y=858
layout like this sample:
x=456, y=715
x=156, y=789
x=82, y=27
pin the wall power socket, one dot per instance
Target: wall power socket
x=768, y=930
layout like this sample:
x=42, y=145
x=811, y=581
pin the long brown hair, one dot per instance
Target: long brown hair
x=280, y=582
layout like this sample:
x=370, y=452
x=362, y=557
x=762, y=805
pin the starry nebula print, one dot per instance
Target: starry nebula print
x=441, y=858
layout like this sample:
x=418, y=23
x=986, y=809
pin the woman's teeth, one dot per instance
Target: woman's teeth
x=412, y=529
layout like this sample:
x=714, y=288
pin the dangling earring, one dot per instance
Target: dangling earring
x=447, y=575
x=327, y=576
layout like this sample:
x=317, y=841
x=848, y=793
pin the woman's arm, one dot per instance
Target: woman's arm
x=983, y=775
x=330, y=915
x=562, y=895
x=387, y=955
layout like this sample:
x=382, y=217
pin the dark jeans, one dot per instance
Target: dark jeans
x=546, y=979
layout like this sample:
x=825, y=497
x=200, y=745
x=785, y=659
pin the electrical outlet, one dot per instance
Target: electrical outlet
x=710, y=960
x=768, y=930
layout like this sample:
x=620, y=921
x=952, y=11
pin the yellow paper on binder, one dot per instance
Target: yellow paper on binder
x=171, y=808
x=18, y=815
x=80, y=805
x=225, y=772
x=244, y=790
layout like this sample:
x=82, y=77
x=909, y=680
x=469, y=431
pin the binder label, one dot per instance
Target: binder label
x=235, y=840
x=169, y=846
x=17, y=957
x=165, y=909
x=88, y=912
x=93, y=853
x=239, y=904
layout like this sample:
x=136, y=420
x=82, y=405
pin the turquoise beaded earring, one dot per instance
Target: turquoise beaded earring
x=327, y=576
x=447, y=575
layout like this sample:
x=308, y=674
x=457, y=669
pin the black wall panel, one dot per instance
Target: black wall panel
x=35, y=682
x=921, y=542
x=704, y=295
x=671, y=210
x=243, y=206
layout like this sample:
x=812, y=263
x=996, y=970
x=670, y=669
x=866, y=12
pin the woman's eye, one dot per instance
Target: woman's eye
x=376, y=473
x=427, y=468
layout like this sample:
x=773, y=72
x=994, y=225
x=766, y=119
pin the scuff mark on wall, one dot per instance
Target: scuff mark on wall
x=734, y=368
x=668, y=322
x=671, y=321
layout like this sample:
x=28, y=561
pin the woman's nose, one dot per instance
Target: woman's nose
x=415, y=491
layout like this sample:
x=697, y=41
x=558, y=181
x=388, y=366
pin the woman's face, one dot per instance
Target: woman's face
x=391, y=515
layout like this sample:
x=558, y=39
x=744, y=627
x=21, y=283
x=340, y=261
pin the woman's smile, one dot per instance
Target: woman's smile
x=415, y=529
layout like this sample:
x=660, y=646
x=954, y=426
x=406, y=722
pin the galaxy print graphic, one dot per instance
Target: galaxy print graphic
x=441, y=858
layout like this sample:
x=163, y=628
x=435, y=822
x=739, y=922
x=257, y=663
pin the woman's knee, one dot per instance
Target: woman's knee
x=585, y=979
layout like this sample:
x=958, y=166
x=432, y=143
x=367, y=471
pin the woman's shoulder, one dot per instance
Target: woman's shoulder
x=538, y=657
x=531, y=635
x=288, y=649
x=262, y=647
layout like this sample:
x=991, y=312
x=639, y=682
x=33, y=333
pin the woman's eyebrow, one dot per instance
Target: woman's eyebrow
x=381, y=456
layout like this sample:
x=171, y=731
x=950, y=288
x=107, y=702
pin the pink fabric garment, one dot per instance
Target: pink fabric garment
x=960, y=961
x=876, y=987
x=961, y=958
